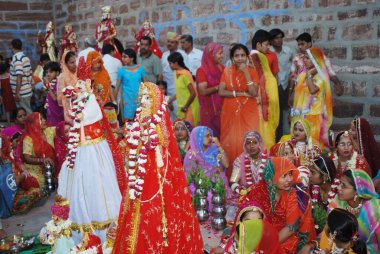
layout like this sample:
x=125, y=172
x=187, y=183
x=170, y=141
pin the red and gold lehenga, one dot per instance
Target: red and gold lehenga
x=159, y=217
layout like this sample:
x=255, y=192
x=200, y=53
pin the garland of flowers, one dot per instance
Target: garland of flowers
x=333, y=190
x=247, y=165
x=149, y=140
x=54, y=229
x=351, y=164
x=76, y=116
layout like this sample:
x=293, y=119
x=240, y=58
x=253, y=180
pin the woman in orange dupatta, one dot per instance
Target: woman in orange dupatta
x=284, y=208
x=313, y=98
x=100, y=77
x=240, y=114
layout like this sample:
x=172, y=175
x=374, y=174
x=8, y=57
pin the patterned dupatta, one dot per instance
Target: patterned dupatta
x=369, y=215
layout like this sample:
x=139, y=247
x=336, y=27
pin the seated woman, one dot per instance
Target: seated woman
x=324, y=187
x=345, y=157
x=357, y=195
x=301, y=140
x=251, y=210
x=38, y=147
x=182, y=130
x=207, y=154
x=19, y=115
x=365, y=143
x=342, y=228
x=248, y=168
x=27, y=192
x=281, y=205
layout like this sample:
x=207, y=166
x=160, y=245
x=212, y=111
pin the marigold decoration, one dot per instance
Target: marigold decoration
x=144, y=132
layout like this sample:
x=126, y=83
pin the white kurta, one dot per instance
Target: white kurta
x=92, y=187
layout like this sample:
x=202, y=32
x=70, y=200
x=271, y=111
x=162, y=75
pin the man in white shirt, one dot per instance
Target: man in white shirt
x=111, y=63
x=285, y=56
x=194, y=54
x=89, y=44
x=167, y=72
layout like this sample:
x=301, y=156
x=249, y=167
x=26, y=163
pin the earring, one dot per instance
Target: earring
x=331, y=238
x=355, y=198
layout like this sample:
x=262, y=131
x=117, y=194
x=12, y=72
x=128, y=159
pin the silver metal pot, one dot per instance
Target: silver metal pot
x=217, y=199
x=202, y=215
x=219, y=223
x=218, y=211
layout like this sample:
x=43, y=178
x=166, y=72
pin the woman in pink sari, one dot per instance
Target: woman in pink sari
x=208, y=79
x=68, y=77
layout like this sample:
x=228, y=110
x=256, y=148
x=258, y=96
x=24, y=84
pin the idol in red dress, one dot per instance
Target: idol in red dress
x=156, y=214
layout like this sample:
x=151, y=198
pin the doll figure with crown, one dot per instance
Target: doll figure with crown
x=106, y=31
x=57, y=232
x=92, y=176
x=47, y=41
x=156, y=215
x=90, y=244
x=147, y=30
x=69, y=40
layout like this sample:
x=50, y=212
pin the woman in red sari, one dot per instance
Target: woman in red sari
x=156, y=213
x=38, y=146
x=346, y=157
x=240, y=113
x=365, y=143
x=283, y=207
x=208, y=79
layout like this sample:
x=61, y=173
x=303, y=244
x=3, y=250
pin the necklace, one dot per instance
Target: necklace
x=240, y=104
x=354, y=210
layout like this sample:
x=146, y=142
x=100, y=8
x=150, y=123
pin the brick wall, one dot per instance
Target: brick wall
x=347, y=30
x=22, y=20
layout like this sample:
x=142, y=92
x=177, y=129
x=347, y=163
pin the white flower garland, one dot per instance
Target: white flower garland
x=76, y=116
x=53, y=230
x=351, y=164
x=248, y=171
x=148, y=137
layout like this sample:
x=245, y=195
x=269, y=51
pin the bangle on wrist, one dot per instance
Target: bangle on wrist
x=250, y=83
x=234, y=93
x=316, y=244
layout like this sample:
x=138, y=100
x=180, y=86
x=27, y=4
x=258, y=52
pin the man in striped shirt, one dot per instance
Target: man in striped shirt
x=21, y=76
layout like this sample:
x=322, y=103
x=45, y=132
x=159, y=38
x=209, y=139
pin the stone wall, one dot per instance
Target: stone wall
x=22, y=20
x=347, y=30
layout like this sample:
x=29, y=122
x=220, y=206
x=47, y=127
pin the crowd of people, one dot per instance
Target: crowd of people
x=261, y=121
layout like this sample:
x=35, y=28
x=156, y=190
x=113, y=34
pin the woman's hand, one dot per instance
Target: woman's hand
x=313, y=71
x=48, y=161
x=184, y=109
x=216, y=142
x=242, y=67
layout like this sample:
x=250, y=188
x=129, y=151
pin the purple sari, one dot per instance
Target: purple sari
x=54, y=111
x=196, y=157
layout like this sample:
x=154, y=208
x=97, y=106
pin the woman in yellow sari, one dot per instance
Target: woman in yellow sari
x=186, y=95
x=312, y=96
x=269, y=108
